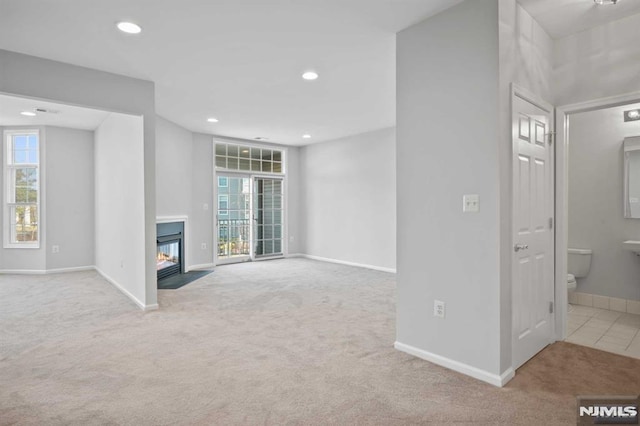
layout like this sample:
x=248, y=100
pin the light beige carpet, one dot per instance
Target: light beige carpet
x=278, y=342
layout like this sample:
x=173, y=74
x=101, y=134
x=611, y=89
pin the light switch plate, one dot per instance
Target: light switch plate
x=471, y=203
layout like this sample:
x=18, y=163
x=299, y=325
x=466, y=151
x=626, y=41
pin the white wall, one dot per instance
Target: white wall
x=596, y=202
x=348, y=199
x=29, y=76
x=526, y=56
x=119, y=204
x=201, y=220
x=173, y=165
x=67, y=207
x=447, y=146
x=69, y=197
x=598, y=63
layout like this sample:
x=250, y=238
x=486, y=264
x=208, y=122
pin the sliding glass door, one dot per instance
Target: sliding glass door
x=267, y=213
x=249, y=217
x=234, y=218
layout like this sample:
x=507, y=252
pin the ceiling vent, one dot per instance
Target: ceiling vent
x=46, y=111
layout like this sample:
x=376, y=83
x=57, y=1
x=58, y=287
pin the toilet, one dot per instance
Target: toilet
x=578, y=265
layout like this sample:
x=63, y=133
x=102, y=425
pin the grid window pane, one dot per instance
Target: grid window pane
x=22, y=188
x=235, y=157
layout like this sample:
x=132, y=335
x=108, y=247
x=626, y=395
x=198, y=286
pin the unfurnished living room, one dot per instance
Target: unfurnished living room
x=320, y=212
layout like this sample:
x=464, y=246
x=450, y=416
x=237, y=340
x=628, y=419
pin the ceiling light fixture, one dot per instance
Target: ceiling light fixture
x=261, y=138
x=212, y=120
x=632, y=115
x=129, y=27
x=306, y=136
x=605, y=2
x=28, y=113
x=310, y=75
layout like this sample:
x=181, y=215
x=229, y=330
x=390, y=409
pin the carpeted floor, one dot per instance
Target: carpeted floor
x=278, y=342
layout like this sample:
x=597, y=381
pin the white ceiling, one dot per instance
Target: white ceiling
x=237, y=60
x=59, y=115
x=561, y=18
x=241, y=60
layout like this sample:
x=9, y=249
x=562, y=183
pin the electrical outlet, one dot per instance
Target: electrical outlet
x=471, y=203
x=438, y=308
x=203, y=246
x=291, y=238
x=55, y=249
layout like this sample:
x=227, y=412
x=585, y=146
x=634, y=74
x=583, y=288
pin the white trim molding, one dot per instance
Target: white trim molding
x=476, y=373
x=198, y=267
x=126, y=292
x=46, y=271
x=344, y=262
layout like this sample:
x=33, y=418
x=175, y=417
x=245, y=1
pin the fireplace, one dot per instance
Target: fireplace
x=170, y=249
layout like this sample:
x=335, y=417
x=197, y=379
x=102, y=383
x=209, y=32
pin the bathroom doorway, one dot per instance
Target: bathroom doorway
x=604, y=310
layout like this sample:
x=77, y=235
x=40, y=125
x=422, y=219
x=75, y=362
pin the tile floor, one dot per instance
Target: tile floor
x=609, y=331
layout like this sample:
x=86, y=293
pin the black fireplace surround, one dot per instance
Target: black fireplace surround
x=170, y=249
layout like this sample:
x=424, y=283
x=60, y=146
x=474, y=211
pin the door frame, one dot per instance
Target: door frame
x=251, y=175
x=528, y=96
x=562, y=193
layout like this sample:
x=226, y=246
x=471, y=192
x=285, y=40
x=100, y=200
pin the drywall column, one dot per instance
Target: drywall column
x=447, y=146
x=29, y=76
x=119, y=200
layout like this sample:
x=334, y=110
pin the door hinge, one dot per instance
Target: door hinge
x=552, y=137
x=550, y=307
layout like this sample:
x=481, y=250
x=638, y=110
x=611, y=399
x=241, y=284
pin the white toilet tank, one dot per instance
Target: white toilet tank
x=579, y=262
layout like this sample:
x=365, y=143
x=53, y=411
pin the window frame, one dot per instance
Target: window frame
x=7, y=167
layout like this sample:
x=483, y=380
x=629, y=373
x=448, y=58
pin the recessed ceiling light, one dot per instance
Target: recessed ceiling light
x=212, y=120
x=306, y=136
x=260, y=138
x=28, y=113
x=632, y=115
x=603, y=2
x=310, y=75
x=129, y=27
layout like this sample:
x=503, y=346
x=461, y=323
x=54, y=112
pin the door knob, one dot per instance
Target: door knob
x=519, y=247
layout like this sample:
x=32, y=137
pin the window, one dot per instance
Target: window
x=249, y=158
x=22, y=188
x=223, y=182
x=223, y=205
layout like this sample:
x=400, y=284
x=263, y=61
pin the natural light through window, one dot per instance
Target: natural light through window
x=22, y=189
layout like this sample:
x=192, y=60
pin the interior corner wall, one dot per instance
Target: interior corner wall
x=598, y=63
x=173, y=165
x=526, y=59
x=447, y=64
x=69, y=197
x=119, y=203
x=38, y=78
x=348, y=199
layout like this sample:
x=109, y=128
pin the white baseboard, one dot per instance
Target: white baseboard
x=46, y=271
x=476, y=373
x=344, y=262
x=201, y=266
x=126, y=292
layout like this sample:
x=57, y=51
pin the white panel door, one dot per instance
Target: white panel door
x=533, y=235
